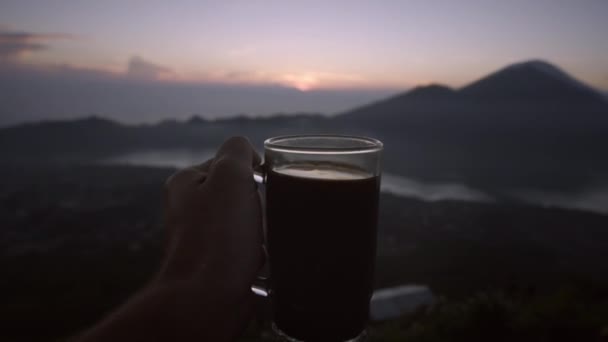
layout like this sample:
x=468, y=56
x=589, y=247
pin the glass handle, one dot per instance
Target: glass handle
x=260, y=286
x=258, y=175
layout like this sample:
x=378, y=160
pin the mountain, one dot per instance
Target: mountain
x=525, y=85
x=419, y=99
x=529, y=125
x=93, y=138
x=32, y=94
x=533, y=81
x=432, y=91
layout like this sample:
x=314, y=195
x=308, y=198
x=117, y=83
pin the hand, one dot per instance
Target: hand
x=214, y=220
x=214, y=250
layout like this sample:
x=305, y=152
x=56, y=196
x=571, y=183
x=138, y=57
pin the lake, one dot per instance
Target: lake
x=593, y=199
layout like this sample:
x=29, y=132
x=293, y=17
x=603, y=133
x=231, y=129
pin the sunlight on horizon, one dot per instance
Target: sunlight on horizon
x=307, y=45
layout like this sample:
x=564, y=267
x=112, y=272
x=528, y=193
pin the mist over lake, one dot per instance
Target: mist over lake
x=594, y=199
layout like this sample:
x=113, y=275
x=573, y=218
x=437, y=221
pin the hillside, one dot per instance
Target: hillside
x=90, y=236
x=533, y=81
x=527, y=125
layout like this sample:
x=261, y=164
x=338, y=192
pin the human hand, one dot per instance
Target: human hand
x=214, y=221
x=203, y=292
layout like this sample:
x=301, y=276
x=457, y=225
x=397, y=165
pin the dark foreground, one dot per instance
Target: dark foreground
x=76, y=241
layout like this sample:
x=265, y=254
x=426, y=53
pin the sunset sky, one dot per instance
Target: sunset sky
x=307, y=44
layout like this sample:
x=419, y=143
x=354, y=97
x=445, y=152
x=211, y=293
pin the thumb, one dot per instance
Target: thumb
x=232, y=167
x=239, y=148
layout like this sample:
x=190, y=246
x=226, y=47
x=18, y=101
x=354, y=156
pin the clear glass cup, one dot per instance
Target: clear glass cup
x=322, y=195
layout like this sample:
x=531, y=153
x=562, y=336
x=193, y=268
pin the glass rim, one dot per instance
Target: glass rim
x=278, y=144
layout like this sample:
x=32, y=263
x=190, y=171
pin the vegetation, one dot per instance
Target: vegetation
x=77, y=241
x=567, y=314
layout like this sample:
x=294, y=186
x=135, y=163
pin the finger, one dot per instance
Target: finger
x=231, y=169
x=204, y=167
x=176, y=191
x=239, y=148
x=180, y=187
x=184, y=179
x=230, y=175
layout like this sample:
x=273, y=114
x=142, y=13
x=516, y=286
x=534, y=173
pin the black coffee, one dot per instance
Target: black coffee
x=322, y=246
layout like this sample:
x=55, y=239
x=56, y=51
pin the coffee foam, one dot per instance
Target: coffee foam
x=323, y=171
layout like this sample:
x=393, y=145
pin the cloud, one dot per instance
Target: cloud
x=141, y=69
x=14, y=44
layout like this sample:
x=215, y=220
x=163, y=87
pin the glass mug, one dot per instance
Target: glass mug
x=321, y=219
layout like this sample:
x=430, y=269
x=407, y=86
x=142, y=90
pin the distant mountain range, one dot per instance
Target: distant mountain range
x=529, y=125
x=32, y=94
x=527, y=85
x=532, y=81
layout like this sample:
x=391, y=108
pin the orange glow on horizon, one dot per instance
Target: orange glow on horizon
x=302, y=82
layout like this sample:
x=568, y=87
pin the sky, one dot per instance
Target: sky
x=364, y=46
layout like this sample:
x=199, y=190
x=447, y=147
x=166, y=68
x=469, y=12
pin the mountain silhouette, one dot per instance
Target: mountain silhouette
x=533, y=86
x=430, y=92
x=532, y=81
x=411, y=105
x=527, y=125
